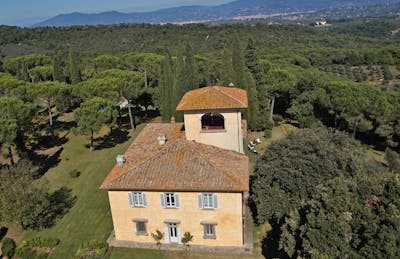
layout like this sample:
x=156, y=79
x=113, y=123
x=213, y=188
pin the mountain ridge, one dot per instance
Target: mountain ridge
x=199, y=13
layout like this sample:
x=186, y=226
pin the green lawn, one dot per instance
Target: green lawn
x=90, y=217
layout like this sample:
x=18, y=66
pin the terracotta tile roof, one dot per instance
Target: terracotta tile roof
x=213, y=97
x=179, y=165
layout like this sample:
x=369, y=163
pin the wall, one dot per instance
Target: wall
x=228, y=215
x=231, y=138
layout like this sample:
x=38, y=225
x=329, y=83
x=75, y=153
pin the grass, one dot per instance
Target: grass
x=90, y=217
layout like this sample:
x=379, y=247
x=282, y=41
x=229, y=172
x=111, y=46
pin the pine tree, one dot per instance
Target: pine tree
x=58, y=64
x=74, y=73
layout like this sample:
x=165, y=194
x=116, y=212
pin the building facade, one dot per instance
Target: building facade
x=191, y=177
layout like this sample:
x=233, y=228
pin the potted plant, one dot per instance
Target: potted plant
x=158, y=236
x=187, y=237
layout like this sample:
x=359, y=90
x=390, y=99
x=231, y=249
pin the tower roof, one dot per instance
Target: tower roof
x=213, y=97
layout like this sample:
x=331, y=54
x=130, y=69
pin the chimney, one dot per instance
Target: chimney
x=173, y=120
x=162, y=139
x=120, y=160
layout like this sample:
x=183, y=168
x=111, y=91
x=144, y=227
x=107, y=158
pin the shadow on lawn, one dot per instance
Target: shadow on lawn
x=45, y=162
x=115, y=137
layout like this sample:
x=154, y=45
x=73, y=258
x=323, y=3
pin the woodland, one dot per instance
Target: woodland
x=318, y=188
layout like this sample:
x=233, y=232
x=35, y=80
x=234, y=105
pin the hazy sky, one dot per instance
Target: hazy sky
x=27, y=12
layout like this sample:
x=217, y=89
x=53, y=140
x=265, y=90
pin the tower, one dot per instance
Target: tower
x=212, y=116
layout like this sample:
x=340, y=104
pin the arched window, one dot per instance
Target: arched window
x=212, y=121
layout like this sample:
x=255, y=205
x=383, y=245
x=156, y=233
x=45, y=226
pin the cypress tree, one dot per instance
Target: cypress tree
x=257, y=110
x=226, y=71
x=167, y=90
x=239, y=67
x=180, y=83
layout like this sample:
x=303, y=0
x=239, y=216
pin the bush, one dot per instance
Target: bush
x=268, y=133
x=74, y=173
x=277, y=119
x=42, y=242
x=93, y=248
x=269, y=125
x=24, y=252
x=8, y=247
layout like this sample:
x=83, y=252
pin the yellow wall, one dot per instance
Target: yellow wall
x=231, y=138
x=228, y=215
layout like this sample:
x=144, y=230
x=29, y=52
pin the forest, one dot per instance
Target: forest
x=340, y=86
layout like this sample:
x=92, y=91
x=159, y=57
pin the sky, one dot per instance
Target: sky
x=29, y=12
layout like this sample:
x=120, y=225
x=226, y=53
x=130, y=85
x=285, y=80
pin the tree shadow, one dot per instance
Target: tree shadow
x=60, y=202
x=48, y=141
x=270, y=244
x=3, y=232
x=45, y=162
x=115, y=137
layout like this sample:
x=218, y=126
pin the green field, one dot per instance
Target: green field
x=90, y=217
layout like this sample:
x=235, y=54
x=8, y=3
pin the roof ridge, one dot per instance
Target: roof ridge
x=225, y=93
x=211, y=163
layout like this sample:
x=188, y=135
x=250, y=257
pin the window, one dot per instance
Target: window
x=140, y=227
x=212, y=121
x=209, y=231
x=208, y=201
x=169, y=200
x=137, y=199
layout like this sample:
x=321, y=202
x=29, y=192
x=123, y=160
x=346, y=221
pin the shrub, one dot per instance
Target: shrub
x=29, y=248
x=268, y=133
x=8, y=247
x=277, y=119
x=74, y=173
x=24, y=252
x=92, y=248
x=42, y=242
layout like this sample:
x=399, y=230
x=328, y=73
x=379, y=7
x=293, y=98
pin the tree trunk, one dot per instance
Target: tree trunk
x=91, y=141
x=355, y=126
x=131, y=117
x=145, y=78
x=50, y=114
x=11, y=155
x=272, y=109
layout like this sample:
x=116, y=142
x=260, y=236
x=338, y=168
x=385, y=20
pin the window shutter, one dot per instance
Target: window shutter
x=176, y=200
x=179, y=235
x=200, y=201
x=144, y=199
x=166, y=235
x=162, y=197
x=130, y=198
x=215, y=201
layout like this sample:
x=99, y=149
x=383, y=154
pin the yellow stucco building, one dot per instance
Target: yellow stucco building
x=185, y=177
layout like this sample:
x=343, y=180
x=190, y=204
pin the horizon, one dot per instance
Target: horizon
x=25, y=13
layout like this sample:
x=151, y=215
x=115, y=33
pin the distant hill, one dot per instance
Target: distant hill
x=240, y=9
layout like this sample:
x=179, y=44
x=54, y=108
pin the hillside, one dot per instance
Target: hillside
x=240, y=9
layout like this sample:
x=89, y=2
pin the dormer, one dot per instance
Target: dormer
x=212, y=116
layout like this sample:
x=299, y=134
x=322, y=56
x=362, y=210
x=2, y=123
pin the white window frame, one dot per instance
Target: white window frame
x=137, y=199
x=208, y=201
x=169, y=200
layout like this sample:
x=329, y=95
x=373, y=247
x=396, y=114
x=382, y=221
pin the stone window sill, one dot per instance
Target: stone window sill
x=213, y=131
x=209, y=237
